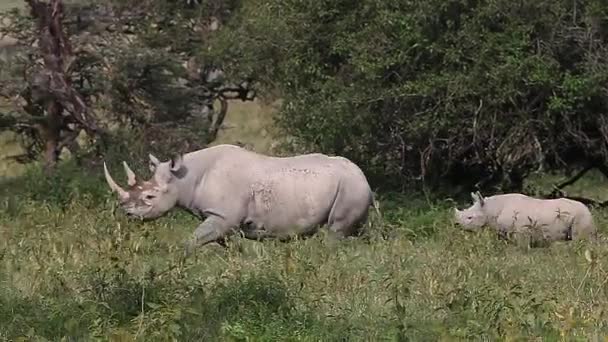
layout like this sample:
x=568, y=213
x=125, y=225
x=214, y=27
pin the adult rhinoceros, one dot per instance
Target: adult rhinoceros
x=260, y=196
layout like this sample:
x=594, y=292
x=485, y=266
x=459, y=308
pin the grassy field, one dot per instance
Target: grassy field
x=71, y=267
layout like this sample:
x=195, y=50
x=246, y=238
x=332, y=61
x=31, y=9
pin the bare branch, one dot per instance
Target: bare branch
x=557, y=189
x=218, y=119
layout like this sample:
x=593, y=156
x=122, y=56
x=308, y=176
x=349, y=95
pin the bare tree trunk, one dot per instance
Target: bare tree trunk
x=51, y=133
x=63, y=103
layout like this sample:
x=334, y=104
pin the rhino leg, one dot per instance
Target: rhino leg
x=257, y=235
x=349, y=211
x=213, y=229
x=346, y=223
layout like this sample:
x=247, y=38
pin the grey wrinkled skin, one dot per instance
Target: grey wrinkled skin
x=237, y=190
x=558, y=219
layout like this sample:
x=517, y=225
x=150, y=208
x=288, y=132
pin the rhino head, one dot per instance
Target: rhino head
x=152, y=198
x=474, y=217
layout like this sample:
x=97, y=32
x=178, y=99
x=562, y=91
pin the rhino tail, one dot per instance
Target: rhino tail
x=376, y=204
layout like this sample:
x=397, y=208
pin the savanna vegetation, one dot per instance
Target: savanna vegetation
x=432, y=99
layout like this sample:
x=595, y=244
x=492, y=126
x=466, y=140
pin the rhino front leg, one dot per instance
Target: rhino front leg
x=213, y=229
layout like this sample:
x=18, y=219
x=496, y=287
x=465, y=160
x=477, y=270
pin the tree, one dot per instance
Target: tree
x=133, y=63
x=51, y=108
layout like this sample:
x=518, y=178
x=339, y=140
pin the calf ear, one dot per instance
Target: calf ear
x=476, y=196
x=480, y=198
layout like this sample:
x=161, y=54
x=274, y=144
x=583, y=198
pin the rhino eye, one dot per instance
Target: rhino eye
x=149, y=197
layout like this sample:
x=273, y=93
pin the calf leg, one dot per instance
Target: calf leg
x=213, y=229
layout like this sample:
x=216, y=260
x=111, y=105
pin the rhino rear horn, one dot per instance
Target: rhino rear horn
x=154, y=162
x=115, y=187
x=131, y=180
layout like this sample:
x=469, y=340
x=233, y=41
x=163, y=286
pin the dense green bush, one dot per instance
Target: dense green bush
x=462, y=91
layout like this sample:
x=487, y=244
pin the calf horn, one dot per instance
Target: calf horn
x=130, y=174
x=112, y=184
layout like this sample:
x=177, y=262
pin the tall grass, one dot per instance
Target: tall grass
x=71, y=266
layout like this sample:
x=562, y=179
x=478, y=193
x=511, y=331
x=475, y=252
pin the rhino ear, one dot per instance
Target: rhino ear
x=176, y=163
x=154, y=162
x=477, y=198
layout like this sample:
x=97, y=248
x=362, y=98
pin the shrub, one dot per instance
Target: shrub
x=435, y=92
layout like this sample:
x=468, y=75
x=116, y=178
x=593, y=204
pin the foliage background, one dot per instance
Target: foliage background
x=446, y=94
x=458, y=92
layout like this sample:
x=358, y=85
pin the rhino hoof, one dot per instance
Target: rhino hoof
x=188, y=249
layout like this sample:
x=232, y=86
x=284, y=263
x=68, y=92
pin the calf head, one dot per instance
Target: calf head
x=152, y=198
x=474, y=217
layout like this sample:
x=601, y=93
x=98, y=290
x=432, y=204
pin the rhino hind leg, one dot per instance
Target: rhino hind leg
x=350, y=209
x=347, y=221
x=568, y=234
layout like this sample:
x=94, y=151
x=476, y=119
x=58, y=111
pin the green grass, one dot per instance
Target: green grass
x=71, y=266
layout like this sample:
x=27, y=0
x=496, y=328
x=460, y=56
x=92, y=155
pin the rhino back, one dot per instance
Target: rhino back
x=293, y=195
x=497, y=204
x=212, y=182
x=302, y=191
x=272, y=192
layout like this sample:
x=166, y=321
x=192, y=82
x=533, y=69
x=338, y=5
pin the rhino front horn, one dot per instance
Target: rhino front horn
x=122, y=193
x=130, y=174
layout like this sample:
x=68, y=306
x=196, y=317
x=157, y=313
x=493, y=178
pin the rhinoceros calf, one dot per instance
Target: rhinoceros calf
x=557, y=219
x=260, y=196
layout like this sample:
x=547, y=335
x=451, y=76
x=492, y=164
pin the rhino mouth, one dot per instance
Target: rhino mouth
x=139, y=217
x=131, y=215
x=143, y=215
